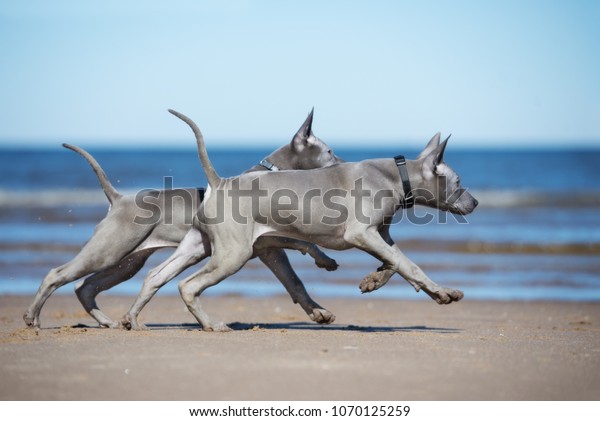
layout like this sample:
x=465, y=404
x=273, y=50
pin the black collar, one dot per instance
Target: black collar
x=268, y=165
x=409, y=199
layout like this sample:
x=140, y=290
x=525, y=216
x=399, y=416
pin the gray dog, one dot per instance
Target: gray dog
x=124, y=239
x=239, y=211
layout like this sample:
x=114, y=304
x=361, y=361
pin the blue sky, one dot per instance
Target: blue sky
x=248, y=72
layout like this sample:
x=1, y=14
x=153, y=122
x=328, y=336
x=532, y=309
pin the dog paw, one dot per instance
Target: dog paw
x=373, y=281
x=112, y=325
x=326, y=263
x=126, y=323
x=322, y=316
x=28, y=320
x=217, y=327
x=131, y=323
x=446, y=295
x=31, y=321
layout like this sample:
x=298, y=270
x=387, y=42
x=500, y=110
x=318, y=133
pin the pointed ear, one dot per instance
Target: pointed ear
x=435, y=157
x=431, y=145
x=303, y=133
x=441, y=149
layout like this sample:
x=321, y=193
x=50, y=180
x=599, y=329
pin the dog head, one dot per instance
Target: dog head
x=441, y=184
x=308, y=151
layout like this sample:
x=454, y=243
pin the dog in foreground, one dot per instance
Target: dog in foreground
x=348, y=205
x=125, y=238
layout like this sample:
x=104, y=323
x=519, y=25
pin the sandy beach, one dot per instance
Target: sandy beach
x=376, y=350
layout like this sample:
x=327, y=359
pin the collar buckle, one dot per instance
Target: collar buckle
x=268, y=165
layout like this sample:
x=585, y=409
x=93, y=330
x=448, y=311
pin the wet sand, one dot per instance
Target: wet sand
x=376, y=350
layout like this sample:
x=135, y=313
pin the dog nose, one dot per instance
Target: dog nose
x=475, y=203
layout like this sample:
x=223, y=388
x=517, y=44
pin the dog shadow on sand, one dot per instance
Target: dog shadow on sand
x=244, y=326
x=307, y=326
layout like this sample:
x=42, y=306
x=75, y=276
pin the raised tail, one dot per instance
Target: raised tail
x=111, y=193
x=211, y=175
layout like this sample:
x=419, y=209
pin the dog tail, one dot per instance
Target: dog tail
x=211, y=175
x=111, y=193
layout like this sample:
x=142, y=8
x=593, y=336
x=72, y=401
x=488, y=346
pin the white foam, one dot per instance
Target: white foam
x=486, y=198
x=521, y=198
x=52, y=198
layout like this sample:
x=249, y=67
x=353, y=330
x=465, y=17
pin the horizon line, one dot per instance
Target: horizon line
x=337, y=142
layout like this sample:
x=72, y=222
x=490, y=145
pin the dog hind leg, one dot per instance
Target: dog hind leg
x=103, y=250
x=222, y=264
x=277, y=261
x=193, y=249
x=88, y=289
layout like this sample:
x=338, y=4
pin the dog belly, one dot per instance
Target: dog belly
x=331, y=241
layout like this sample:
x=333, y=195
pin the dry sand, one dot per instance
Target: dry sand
x=376, y=350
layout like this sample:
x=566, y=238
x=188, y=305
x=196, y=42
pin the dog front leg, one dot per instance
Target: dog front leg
x=371, y=241
x=382, y=275
x=277, y=261
x=375, y=280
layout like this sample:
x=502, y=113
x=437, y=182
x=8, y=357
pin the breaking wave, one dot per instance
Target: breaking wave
x=520, y=198
x=53, y=198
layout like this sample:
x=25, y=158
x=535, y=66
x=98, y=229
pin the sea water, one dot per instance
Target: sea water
x=534, y=236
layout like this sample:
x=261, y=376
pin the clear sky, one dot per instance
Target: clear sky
x=492, y=73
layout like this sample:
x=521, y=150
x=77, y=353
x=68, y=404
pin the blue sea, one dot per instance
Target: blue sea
x=535, y=235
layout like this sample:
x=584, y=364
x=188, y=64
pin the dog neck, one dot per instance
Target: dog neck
x=409, y=200
x=282, y=159
x=417, y=182
x=275, y=159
